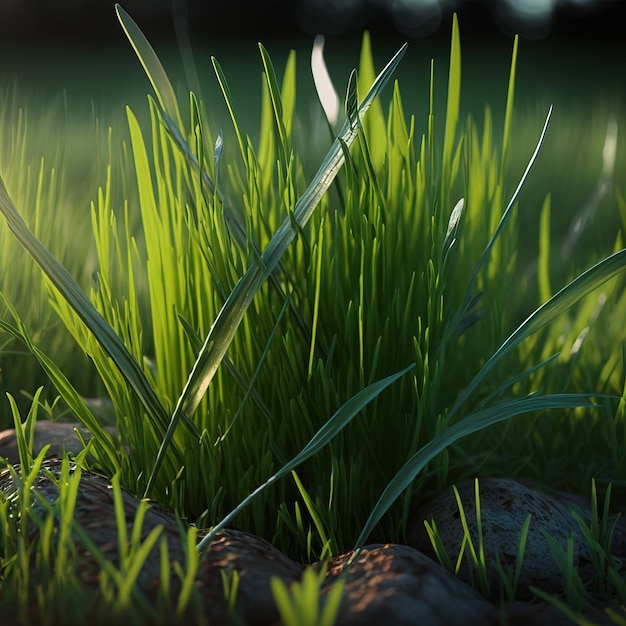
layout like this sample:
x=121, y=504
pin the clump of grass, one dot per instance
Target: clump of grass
x=249, y=306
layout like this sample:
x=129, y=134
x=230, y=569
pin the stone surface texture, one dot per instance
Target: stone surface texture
x=384, y=584
x=504, y=506
x=60, y=435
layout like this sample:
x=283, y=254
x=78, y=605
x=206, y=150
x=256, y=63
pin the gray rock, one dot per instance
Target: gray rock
x=505, y=505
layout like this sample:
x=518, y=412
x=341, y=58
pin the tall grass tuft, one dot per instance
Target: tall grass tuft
x=239, y=303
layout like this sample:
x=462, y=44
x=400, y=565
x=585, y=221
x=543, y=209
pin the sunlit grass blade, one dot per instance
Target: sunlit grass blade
x=151, y=65
x=223, y=83
x=473, y=423
x=310, y=507
x=70, y=396
x=324, y=87
x=223, y=330
x=508, y=113
x=321, y=438
x=25, y=432
x=243, y=384
x=277, y=106
x=80, y=303
x=507, y=212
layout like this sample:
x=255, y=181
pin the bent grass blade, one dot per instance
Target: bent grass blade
x=324, y=87
x=151, y=65
x=325, y=434
x=569, y=295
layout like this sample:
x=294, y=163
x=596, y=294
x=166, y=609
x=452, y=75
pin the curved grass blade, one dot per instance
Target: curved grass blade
x=464, y=310
x=325, y=434
x=324, y=87
x=277, y=106
x=151, y=65
x=568, y=296
x=223, y=330
x=83, y=307
x=512, y=201
x=223, y=83
x=476, y=421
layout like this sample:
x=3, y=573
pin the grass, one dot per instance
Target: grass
x=376, y=325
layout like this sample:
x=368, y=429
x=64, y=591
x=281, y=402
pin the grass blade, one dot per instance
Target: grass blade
x=454, y=99
x=66, y=391
x=324, y=87
x=512, y=201
x=325, y=434
x=508, y=115
x=473, y=423
x=80, y=303
x=231, y=314
x=151, y=65
x=568, y=296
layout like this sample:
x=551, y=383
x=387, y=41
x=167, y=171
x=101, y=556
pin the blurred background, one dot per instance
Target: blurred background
x=69, y=64
x=249, y=18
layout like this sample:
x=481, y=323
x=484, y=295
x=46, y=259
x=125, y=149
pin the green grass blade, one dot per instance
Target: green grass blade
x=223, y=83
x=574, y=291
x=277, y=106
x=310, y=506
x=507, y=212
x=151, y=65
x=454, y=100
x=25, y=432
x=65, y=389
x=231, y=314
x=508, y=115
x=80, y=303
x=324, y=435
x=473, y=423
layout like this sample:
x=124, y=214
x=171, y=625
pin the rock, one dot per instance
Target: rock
x=575, y=503
x=532, y=614
x=255, y=560
x=396, y=584
x=387, y=583
x=504, y=505
x=60, y=435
